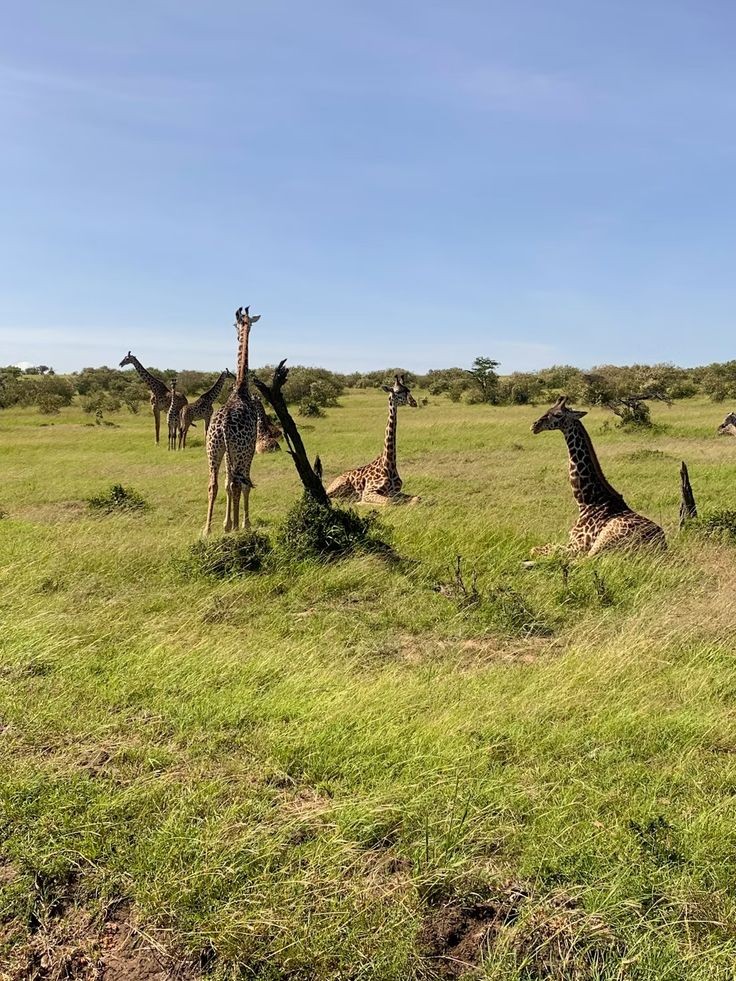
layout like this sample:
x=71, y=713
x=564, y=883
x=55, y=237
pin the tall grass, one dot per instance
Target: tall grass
x=293, y=773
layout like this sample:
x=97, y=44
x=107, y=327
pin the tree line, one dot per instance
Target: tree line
x=108, y=390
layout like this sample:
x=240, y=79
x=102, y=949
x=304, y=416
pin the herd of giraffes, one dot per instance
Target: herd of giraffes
x=241, y=428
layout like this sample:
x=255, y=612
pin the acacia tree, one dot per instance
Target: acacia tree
x=485, y=377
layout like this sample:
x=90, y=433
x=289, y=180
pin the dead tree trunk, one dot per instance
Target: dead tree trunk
x=688, y=510
x=310, y=478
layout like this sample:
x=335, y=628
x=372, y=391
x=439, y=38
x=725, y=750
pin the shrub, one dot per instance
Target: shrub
x=307, y=407
x=313, y=530
x=99, y=403
x=231, y=555
x=50, y=404
x=117, y=498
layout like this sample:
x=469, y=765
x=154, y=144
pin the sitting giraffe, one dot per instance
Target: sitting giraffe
x=160, y=393
x=268, y=434
x=378, y=482
x=232, y=435
x=728, y=426
x=605, y=520
x=201, y=409
x=173, y=417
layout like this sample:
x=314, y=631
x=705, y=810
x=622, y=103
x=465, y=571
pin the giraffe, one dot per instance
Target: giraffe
x=232, y=434
x=605, y=520
x=728, y=426
x=173, y=416
x=378, y=482
x=160, y=393
x=268, y=434
x=201, y=409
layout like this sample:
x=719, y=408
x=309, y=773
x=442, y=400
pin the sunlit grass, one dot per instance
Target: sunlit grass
x=293, y=768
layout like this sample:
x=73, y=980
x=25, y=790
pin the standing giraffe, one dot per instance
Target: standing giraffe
x=160, y=393
x=268, y=434
x=201, y=409
x=605, y=520
x=232, y=434
x=378, y=482
x=173, y=417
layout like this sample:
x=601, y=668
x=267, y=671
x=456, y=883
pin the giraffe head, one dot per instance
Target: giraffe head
x=128, y=359
x=243, y=319
x=728, y=426
x=228, y=373
x=399, y=392
x=558, y=416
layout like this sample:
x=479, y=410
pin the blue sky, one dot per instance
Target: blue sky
x=385, y=182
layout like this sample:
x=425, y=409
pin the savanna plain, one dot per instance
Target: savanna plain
x=354, y=770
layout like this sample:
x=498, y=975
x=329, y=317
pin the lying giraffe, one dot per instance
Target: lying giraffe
x=605, y=520
x=173, y=416
x=268, y=434
x=201, y=409
x=728, y=426
x=160, y=393
x=232, y=435
x=378, y=482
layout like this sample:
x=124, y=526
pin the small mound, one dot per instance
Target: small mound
x=719, y=524
x=456, y=934
x=232, y=555
x=313, y=529
x=116, y=499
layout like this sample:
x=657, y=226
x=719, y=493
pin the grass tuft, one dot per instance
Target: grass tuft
x=311, y=530
x=719, y=524
x=117, y=498
x=229, y=556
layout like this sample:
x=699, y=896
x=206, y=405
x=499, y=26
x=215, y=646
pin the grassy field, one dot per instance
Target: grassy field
x=339, y=772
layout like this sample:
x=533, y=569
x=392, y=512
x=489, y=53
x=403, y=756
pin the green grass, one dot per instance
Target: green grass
x=295, y=773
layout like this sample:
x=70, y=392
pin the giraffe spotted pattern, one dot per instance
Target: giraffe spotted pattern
x=232, y=436
x=202, y=408
x=378, y=482
x=605, y=520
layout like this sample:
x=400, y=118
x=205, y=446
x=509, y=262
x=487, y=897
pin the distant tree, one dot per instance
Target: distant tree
x=484, y=374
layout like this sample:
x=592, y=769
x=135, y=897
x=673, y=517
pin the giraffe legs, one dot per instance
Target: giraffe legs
x=157, y=421
x=246, y=513
x=212, y=499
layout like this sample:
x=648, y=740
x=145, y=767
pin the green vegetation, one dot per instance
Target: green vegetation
x=354, y=769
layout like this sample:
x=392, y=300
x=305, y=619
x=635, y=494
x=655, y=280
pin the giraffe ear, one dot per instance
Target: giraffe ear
x=577, y=414
x=387, y=389
x=256, y=316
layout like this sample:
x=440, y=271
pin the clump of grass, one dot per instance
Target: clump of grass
x=313, y=530
x=117, y=498
x=505, y=606
x=719, y=524
x=229, y=556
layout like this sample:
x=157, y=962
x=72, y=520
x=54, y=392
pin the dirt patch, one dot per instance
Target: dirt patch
x=456, y=934
x=68, y=943
x=548, y=938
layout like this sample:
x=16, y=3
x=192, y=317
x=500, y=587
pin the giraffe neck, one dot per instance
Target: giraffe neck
x=241, y=380
x=589, y=487
x=389, y=442
x=156, y=386
x=211, y=394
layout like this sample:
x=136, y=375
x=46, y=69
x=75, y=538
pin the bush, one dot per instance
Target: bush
x=50, y=404
x=99, y=403
x=313, y=530
x=117, y=498
x=307, y=407
x=231, y=555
